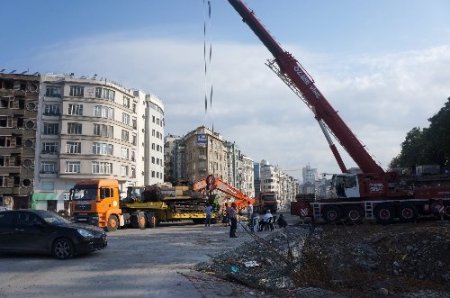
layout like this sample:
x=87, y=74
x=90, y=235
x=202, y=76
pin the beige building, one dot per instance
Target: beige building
x=19, y=95
x=204, y=155
x=93, y=128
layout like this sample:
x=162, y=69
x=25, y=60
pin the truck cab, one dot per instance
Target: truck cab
x=96, y=202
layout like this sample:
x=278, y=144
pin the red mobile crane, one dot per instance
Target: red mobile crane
x=373, y=194
x=211, y=183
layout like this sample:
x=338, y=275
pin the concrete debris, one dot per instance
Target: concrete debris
x=402, y=260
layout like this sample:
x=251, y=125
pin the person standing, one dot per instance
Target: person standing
x=232, y=215
x=249, y=210
x=208, y=212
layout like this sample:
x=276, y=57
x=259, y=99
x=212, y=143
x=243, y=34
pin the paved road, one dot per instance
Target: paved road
x=136, y=263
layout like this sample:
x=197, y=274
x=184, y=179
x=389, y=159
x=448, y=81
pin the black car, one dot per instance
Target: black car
x=41, y=231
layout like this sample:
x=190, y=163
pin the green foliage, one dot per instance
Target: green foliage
x=429, y=145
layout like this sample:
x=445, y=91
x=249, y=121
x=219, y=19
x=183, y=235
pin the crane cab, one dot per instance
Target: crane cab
x=345, y=186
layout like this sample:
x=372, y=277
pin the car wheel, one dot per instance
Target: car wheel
x=62, y=248
x=113, y=223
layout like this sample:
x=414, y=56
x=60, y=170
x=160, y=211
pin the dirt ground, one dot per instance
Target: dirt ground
x=368, y=260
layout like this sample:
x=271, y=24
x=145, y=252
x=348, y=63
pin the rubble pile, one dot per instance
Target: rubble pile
x=408, y=260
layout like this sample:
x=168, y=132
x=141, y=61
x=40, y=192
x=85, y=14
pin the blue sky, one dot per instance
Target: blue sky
x=384, y=65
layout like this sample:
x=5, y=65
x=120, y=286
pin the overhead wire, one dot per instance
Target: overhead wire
x=207, y=58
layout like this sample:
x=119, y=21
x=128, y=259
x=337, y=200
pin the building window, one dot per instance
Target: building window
x=103, y=130
x=125, y=152
x=126, y=101
x=51, y=129
x=52, y=91
x=125, y=135
x=102, y=149
x=73, y=147
x=4, y=161
x=5, y=121
x=3, y=181
x=75, y=109
x=5, y=141
x=73, y=167
x=48, y=167
x=123, y=170
x=49, y=147
x=74, y=128
x=51, y=110
x=101, y=167
x=126, y=118
x=76, y=90
x=104, y=112
x=105, y=93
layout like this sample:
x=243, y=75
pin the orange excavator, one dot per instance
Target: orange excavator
x=212, y=183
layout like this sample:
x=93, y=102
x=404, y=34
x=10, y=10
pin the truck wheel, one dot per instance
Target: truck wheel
x=138, y=221
x=113, y=223
x=354, y=215
x=153, y=222
x=332, y=213
x=141, y=222
x=384, y=214
x=407, y=212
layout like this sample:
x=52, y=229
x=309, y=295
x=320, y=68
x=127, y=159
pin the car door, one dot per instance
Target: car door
x=30, y=233
x=6, y=230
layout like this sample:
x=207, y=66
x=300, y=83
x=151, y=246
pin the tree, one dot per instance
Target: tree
x=428, y=146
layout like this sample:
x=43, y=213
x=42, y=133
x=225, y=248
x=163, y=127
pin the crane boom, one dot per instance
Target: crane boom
x=322, y=109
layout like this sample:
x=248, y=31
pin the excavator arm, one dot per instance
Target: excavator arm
x=211, y=183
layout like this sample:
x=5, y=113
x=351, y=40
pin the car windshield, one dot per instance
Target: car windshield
x=53, y=218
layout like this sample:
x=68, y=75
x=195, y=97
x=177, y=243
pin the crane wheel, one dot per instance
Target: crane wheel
x=407, y=212
x=447, y=211
x=354, y=215
x=384, y=214
x=113, y=223
x=331, y=213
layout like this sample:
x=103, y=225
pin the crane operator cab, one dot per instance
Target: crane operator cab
x=345, y=186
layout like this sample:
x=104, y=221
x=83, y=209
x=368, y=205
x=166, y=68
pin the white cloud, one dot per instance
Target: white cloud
x=380, y=98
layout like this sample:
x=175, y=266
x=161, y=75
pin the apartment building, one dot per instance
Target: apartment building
x=94, y=128
x=19, y=94
x=154, y=150
x=204, y=153
x=247, y=176
x=173, y=158
x=275, y=180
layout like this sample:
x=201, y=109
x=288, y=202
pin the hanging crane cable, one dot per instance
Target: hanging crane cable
x=207, y=58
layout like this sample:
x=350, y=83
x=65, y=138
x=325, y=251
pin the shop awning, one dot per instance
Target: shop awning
x=44, y=196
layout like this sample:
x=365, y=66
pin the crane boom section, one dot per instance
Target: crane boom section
x=305, y=84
